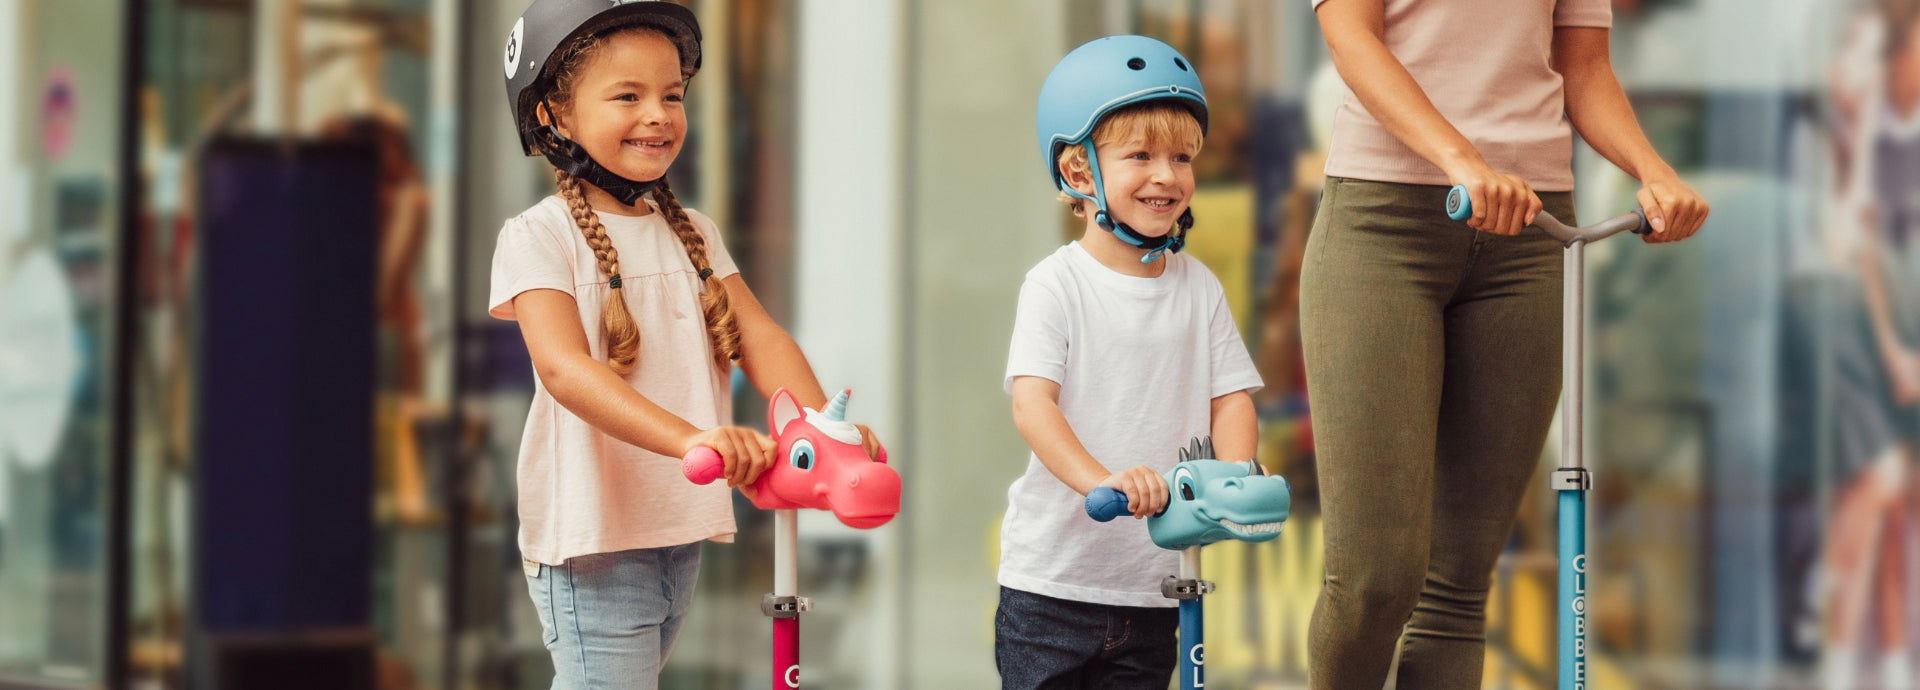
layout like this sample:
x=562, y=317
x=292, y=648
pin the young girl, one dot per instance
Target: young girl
x=633, y=314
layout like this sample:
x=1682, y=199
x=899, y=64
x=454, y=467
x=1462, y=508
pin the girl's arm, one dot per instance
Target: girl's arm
x=1598, y=108
x=767, y=353
x=550, y=324
x=772, y=360
x=1236, y=427
x=1036, y=411
x=1356, y=36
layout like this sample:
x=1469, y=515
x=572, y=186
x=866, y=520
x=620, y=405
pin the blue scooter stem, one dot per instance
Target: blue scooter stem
x=1572, y=480
x=1193, y=663
x=1105, y=504
x=1573, y=589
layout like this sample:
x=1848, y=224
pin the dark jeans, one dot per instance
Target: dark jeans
x=1043, y=643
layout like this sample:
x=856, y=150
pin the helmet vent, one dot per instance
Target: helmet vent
x=1136, y=64
x=1181, y=63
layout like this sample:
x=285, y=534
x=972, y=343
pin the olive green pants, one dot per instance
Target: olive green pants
x=1433, y=365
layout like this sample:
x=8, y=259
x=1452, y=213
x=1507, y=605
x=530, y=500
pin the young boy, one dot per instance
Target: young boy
x=1123, y=349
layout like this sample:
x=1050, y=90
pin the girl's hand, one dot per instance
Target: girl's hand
x=1146, y=490
x=1502, y=203
x=1673, y=209
x=869, y=441
x=744, y=453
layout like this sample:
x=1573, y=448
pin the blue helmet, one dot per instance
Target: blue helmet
x=1098, y=78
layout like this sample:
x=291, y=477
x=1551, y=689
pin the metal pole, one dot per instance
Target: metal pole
x=1572, y=480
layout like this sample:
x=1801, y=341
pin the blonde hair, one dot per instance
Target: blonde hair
x=1156, y=122
x=623, y=335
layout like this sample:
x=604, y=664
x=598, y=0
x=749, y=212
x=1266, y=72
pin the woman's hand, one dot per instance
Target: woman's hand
x=744, y=453
x=1673, y=209
x=1146, y=490
x=1502, y=203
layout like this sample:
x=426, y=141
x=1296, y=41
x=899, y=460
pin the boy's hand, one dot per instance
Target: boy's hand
x=1146, y=490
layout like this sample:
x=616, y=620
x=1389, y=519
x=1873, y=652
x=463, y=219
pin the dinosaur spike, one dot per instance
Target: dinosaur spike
x=837, y=409
x=1206, y=446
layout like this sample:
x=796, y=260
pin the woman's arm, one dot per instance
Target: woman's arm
x=1356, y=36
x=550, y=324
x=1599, y=109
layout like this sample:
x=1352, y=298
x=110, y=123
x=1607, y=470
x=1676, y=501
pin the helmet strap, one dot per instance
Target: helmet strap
x=571, y=157
x=1156, y=246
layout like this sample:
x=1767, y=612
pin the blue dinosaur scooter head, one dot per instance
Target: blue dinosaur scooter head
x=1213, y=500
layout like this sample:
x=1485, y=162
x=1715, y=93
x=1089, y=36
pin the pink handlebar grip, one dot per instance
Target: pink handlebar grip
x=702, y=465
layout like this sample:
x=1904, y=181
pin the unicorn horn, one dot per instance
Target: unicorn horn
x=837, y=410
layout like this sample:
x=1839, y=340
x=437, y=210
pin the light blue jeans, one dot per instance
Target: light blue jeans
x=609, y=619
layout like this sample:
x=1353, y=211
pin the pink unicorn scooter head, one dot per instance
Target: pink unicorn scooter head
x=820, y=463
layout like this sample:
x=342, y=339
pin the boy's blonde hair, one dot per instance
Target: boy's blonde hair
x=1156, y=122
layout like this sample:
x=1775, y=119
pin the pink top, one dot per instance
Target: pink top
x=582, y=491
x=1484, y=64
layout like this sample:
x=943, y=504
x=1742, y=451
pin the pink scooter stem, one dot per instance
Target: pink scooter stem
x=703, y=465
x=786, y=623
x=819, y=463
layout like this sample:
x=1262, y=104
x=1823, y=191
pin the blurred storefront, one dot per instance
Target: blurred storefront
x=257, y=430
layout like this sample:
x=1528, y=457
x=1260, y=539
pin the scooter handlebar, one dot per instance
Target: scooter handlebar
x=1105, y=503
x=1460, y=207
x=702, y=465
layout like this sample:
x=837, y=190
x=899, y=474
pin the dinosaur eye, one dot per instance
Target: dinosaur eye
x=802, y=454
x=1184, y=479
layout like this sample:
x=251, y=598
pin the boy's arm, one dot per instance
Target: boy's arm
x=1036, y=411
x=1236, y=427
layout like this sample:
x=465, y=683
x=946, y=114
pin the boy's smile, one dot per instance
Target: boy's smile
x=1148, y=185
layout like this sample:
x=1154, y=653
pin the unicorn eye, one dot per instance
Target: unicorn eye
x=802, y=454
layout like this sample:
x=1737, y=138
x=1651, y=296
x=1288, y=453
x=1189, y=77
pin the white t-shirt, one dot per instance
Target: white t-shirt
x=582, y=491
x=1139, y=362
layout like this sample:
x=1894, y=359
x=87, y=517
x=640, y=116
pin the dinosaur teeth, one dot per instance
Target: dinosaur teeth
x=1260, y=528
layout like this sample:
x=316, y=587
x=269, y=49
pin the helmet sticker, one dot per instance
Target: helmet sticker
x=514, y=41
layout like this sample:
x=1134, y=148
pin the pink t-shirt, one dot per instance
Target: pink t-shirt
x=582, y=491
x=1485, y=65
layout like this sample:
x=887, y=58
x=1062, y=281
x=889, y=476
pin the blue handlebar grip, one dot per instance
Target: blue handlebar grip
x=1105, y=503
x=1459, y=204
